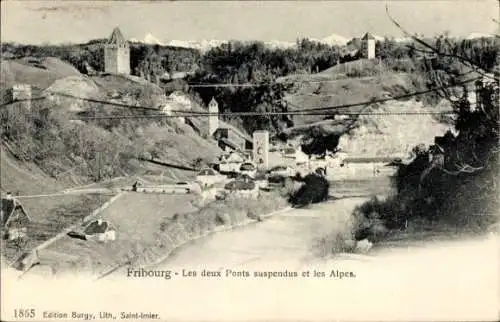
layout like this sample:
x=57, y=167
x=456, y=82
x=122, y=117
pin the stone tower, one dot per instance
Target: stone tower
x=261, y=149
x=117, y=54
x=213, y=120
x=21, y=93
x=368, y=46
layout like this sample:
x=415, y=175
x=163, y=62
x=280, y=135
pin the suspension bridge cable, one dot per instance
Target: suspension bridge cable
x=253, y=114
x=291, y=82
x=313, y=109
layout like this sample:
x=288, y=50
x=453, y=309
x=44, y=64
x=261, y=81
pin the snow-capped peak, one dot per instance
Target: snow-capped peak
x=403, y=39
x=152, y=40
x=202, y=45
x=205, y=45
x=279, y=44
x=334, y=40
x=479, y=35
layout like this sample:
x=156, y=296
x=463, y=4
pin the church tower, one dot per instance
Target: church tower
x=117, y=54
x=213, y=120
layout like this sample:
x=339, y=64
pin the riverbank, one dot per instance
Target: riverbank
x=149, y=227
x=218, y=216
x=288, y=239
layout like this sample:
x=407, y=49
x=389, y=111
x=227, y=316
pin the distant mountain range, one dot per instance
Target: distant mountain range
x=204, y=45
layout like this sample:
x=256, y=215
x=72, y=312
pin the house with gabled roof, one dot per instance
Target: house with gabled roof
x=15, y=219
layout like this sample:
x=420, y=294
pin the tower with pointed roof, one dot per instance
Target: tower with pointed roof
x=368, y=46
x=117, y=54
x=213, y=120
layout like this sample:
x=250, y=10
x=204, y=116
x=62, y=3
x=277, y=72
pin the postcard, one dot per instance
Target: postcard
x=250, y=160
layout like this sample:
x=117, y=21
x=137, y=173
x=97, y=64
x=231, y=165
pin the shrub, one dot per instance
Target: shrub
x=222, y=219
x=314, y=190
x=454, y=184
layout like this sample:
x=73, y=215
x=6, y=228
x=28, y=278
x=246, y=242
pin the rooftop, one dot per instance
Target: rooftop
x=213, y=101
x=368, y=36
x=116, y=37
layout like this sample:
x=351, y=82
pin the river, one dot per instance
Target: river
x=413, y=280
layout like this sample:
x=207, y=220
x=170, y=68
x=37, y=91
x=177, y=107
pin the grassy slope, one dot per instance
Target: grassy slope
x=24, y=178
x=181, y=142
x=327, y=93
x=372, y=135
x=50, y=215
x=137, y=218
x=348, y=83
x=22, y=71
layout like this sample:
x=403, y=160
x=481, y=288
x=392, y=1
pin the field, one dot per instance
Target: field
x=49, y=216
x=136, y=217
x=148, y=226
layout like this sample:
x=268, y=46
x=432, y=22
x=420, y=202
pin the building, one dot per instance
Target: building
x=213, y=120
x=230, y=162
x=15, y=220
x=368, y=46
x=227, y=135
x=261, y=148
x=232, y=139
x=300, y=156
x=117, y=54
x=167, y=110
x=18, y=93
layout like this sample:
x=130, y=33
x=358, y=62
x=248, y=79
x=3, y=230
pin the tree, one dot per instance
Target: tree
x=466, y=163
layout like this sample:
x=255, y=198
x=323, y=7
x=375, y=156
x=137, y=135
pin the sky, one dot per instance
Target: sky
x=65, y=21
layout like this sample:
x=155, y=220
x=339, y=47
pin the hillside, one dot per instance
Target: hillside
x=381, y=135
x=81, y=152
x=130, y=90
x=44, y=152
x=366, y=81
x=341, y=85
x=24, y=178
x=39, y=72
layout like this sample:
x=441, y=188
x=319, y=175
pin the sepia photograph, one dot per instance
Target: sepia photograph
x=250, y=160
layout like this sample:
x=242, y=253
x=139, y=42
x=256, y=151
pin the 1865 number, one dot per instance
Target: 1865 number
x=24, y=313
